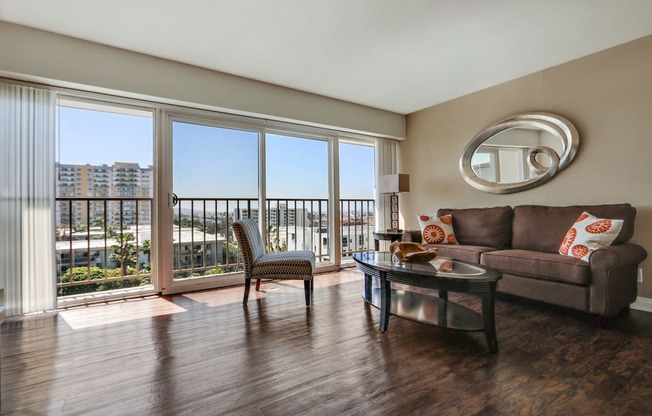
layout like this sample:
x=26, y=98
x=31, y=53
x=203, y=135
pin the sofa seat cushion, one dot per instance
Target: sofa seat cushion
x=458, y=252
x=547, y=266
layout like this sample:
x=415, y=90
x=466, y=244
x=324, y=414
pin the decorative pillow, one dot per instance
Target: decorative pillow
x=437, y=230
x=588, y=234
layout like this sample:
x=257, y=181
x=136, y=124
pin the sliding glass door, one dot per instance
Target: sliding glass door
x=104, y=199
x=298, y=209
x=215, y=181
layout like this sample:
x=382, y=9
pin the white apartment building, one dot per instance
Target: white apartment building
x=120, y=180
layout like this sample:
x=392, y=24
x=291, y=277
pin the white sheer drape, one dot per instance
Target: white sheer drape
x=27, y=156
x=386, y=162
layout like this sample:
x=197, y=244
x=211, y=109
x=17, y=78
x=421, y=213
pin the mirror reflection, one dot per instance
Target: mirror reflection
x=504, y=158
x=519, y=152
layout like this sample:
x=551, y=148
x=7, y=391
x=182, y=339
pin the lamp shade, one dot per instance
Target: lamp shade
x=391, y=184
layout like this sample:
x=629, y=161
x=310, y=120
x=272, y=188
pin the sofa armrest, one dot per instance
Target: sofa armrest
x=617, y=256
x=412, y=236
x=613, y=277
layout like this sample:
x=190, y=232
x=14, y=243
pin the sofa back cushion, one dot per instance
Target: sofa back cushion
x=489, y=227
x=542, y=228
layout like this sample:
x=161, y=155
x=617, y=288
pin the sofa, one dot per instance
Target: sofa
x=523, y=243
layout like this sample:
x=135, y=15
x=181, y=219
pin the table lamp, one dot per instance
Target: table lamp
x=393, y=184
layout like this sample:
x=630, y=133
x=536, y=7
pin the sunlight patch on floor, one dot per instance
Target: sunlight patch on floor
x=118, y=311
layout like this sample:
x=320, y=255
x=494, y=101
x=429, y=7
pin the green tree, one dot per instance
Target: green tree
x=272, y=239
x=83, y=273
x=124, y=252
x=109, y=230
x=215, y=270
x=146, y=249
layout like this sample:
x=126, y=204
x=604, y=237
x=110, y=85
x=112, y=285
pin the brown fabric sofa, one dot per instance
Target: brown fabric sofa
x=523, y=243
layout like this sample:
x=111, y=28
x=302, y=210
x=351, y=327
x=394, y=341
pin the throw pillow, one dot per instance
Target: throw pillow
x=437, y=230
x=588, y=234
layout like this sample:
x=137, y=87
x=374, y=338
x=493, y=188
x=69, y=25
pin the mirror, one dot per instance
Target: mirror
x=519, y=153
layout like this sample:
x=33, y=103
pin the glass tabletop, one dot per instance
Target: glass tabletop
x=440, y=266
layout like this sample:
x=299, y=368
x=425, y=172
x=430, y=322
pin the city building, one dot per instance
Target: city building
x=102, y=185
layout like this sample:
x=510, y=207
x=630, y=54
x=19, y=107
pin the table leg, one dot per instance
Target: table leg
x=488, y=318
x=385, y=302
x=442, y=313
x=367, y=287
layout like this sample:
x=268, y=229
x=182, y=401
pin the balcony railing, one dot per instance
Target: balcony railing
x=357, y=226
x=104, y=242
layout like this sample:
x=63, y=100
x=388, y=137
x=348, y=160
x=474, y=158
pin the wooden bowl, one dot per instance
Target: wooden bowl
x=412, y=252
x=422, y=256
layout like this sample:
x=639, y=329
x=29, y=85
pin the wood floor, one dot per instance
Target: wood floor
x=203, y=354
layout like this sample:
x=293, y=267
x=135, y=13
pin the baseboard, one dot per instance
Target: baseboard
x=642, y=304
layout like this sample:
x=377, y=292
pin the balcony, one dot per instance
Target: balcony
x=106, y=245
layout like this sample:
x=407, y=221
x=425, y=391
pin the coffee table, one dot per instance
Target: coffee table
x=442, y=274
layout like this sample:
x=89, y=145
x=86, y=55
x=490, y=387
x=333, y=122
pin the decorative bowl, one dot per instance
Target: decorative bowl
x=412, y=252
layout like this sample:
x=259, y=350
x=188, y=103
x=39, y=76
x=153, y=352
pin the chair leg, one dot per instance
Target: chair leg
x=306, y=287
x=312, y=284
x=257, y=285
x=246, y=293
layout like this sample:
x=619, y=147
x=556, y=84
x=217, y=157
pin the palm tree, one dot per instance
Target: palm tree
x=124, y=252
x=146, y=249
x=109, y=230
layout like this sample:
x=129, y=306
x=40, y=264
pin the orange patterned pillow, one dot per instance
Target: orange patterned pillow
x=588, y=234
x=437, y=230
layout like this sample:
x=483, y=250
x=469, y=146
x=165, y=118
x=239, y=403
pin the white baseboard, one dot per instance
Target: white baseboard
x=642, y=304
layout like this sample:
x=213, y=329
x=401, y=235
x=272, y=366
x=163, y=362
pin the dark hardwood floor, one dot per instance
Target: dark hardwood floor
x=203, y=354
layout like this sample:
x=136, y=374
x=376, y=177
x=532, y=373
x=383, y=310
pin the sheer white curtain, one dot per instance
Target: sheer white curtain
x=27, y=186
x=386, y=161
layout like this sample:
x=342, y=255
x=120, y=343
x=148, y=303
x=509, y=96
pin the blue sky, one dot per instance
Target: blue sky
x=215, y=162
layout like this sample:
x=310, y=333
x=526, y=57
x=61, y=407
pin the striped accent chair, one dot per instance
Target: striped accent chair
x=258, y=264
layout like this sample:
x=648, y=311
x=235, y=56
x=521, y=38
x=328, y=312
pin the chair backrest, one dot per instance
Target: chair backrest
x=250, y=242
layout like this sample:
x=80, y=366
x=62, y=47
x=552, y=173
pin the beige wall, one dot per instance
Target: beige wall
x=31, y=54
x=608, y=96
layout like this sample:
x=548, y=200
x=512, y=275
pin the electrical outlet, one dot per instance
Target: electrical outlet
x=640, y=275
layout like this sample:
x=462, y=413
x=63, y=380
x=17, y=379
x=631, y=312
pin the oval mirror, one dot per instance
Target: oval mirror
x=519, y=153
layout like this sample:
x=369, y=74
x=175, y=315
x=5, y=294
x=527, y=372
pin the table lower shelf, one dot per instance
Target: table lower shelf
x=429, y=309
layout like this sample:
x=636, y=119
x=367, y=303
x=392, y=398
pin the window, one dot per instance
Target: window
x=98, y=214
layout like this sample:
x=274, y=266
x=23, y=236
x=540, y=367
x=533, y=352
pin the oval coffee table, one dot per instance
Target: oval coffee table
x=441, y=274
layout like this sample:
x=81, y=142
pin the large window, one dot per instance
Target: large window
x=104, y=191
x=356, y=161
x=215, y=182
x=297, y=194
x=138, y=205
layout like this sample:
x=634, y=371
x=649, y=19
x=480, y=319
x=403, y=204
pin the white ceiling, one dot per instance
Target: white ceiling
x=400, y=56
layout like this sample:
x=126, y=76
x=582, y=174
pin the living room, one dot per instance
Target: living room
x=605, y=93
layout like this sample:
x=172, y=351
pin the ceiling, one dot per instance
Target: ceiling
x=400, y=56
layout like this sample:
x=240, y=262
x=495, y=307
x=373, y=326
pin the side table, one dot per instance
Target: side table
x=387, y=236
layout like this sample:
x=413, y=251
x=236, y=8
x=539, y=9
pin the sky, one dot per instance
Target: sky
x=214, y=162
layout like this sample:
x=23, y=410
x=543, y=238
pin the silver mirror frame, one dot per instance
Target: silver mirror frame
x=552, y=123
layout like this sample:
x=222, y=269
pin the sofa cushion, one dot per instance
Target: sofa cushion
x=459, y=252
x=542, y=228
x=546, y=266
x=489, y=227
x=437, y=230
x=588, y=234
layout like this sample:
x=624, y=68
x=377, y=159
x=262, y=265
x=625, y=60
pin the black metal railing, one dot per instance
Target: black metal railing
x=291, y=224
x=357, y=226
x=104, y=242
